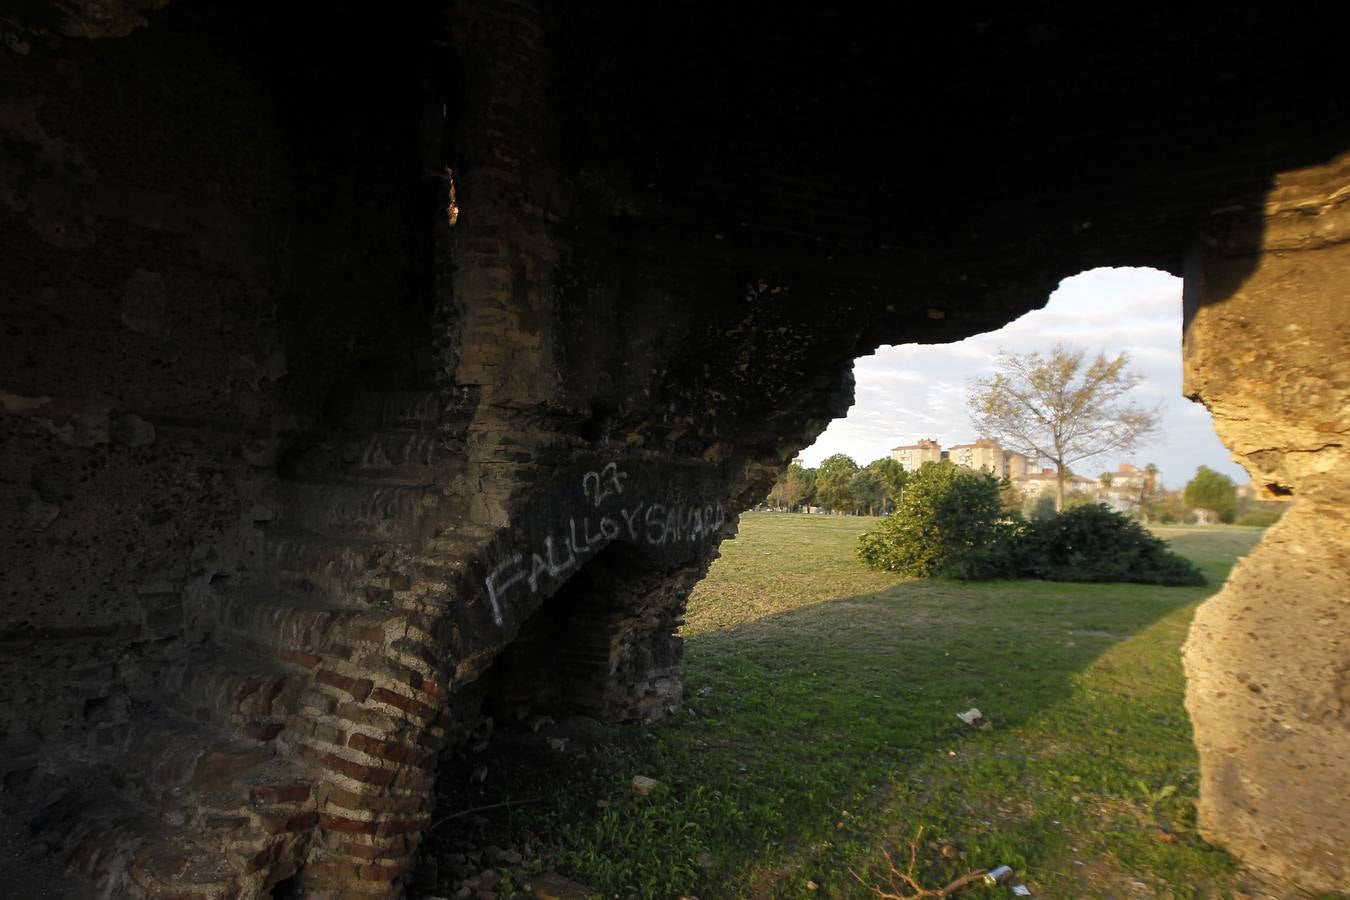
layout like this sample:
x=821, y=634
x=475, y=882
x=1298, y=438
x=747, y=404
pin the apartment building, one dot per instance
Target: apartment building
x=1127, y=486
x=985, y=454
x=912, y=456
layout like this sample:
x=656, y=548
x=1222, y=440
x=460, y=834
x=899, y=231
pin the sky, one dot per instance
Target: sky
x=914, y=391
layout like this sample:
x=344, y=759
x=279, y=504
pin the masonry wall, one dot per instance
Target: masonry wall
x=206, y=239
x=336, y=344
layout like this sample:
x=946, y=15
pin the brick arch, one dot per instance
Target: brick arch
x=235, y=621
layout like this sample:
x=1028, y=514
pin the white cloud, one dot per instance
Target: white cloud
x=916, y=391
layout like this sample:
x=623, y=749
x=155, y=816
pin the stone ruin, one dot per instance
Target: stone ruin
x=350, y=350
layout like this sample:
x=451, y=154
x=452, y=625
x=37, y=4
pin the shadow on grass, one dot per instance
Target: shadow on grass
x=814, y=735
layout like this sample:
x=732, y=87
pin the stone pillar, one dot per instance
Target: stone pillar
x=1267, y=350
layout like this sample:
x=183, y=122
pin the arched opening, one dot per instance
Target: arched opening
x=567, y=658
x=601, y=650
x=911, y=400
x=922, y=390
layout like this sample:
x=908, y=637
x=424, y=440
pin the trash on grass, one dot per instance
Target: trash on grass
x=970, y=716
x=999, y=875
x=1021, y=890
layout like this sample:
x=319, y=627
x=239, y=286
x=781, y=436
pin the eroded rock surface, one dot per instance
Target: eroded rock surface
x=363, y=372
x=1267, y=662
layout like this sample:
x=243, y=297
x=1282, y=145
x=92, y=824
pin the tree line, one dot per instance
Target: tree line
x=839, y=484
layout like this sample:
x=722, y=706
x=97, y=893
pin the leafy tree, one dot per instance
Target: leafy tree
x=809, y=477
x=1213, y=491
x=1172, y=508
x=834, y=481
x=792, y=487
x=947, y=512
x=869, y=492
x=1053, y=407
x=892, y=475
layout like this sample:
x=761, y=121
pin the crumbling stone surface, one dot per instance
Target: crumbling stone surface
x=362, y=376
x=1267, y=663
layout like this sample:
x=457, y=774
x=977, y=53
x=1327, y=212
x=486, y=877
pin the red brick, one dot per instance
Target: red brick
x=434, y=689
x=299, y=658
x=368, y=774
x=341, y=651
x=407, y=704
x=289, y=821
x=371, y=851
x=347, y=826
x=385, y=872
x=398, y=753
x=372, y=801
x=258, y=697
x=359, y=688
x=246, y=689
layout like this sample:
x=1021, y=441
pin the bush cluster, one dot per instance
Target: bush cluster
x=1094, y=543
x=945, y=511
x=951, y=522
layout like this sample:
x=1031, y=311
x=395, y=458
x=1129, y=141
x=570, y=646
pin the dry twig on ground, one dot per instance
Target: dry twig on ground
x=906, y=880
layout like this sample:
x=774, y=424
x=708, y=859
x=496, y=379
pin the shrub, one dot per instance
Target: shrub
x=1261, y=516
x=1093, y=543
x=950, y=523
x=949, y=516
x=1002, y=556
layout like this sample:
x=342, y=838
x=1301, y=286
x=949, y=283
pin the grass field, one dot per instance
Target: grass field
x=820, y=729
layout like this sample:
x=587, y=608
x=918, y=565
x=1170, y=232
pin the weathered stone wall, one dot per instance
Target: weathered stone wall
x=1267, y=662
x=336, y=347
x=205, y=239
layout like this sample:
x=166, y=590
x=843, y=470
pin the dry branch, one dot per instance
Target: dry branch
x=906, y=880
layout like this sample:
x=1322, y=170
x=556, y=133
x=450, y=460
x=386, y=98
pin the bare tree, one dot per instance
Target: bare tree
x=1052, y=407
x=793, y=486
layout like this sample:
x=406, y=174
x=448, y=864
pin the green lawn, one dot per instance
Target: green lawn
x=820, y=729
